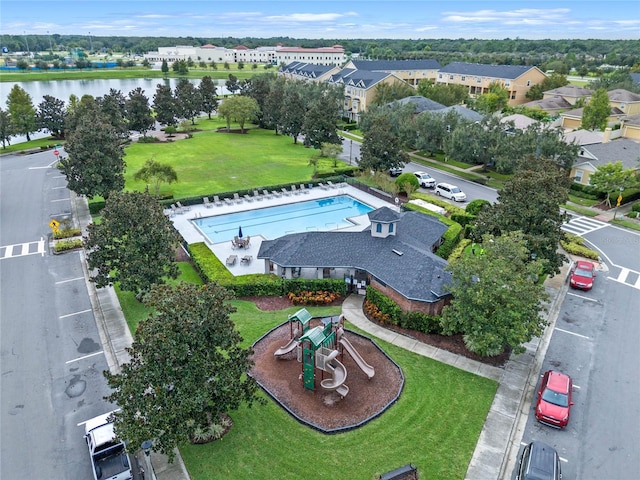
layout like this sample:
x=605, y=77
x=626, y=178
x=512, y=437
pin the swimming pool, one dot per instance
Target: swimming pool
x=272, y=222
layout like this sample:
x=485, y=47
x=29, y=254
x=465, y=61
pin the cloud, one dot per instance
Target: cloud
x=309, y=17
x=538, y=16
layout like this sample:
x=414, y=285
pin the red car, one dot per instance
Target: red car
x=554, y=399
x=582, y=275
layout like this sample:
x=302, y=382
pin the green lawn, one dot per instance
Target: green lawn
x=212, y=162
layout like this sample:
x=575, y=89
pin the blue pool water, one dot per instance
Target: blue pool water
x=273, y=222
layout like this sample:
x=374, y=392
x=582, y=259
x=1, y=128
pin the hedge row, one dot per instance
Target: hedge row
x=574, y=245
x=211, y=269
x=394, y=315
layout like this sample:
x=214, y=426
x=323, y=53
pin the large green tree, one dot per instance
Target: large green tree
x=6, y=130
x=446, y=95
x=164, y=105
x=134, y=244
x=239, y=108
x=497, y=298
x=22, y=112
x=188, y=369
x=137, y=112
x=322, y=114
x=293, y=110
x=188, y=100
x=95, y=164
x=112, y=106
x=387, y=92
x=381, y=148
x=596, y=112
x=50, y=116
x=530, y=203
x=208, y=95
x=613, y=177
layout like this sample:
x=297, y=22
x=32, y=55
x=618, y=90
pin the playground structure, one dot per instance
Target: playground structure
x=318, y=348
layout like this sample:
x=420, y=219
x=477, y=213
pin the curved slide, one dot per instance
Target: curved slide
x=364, y=366
x=289, y=347
x=339, y=375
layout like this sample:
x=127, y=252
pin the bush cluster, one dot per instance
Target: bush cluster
x=319, y=297
x=574, y=245
x=67, y=233
x=65, y=245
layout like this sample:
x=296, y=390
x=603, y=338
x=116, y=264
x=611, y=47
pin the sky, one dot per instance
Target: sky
x=417, y=19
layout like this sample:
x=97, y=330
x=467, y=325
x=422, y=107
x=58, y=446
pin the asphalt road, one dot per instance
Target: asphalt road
x=595, y=342
x=50, y=352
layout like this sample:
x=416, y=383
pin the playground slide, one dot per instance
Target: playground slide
x=364, y=366
x=289, y=347
x=337, y=370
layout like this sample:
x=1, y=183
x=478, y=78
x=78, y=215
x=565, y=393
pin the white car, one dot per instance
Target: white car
x=425, y=180
x=451, y=192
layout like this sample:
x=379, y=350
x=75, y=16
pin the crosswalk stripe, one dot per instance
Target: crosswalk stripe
x=583, y=225
x=623, y=276
x=22, y=249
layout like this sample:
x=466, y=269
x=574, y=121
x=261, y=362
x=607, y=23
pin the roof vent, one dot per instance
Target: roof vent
x=397, y=252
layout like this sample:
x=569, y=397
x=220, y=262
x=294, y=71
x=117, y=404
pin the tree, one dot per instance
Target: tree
x=496, y=297
x=232, y=84
x=164, y=67
x=613, y=177
x=50, y=116
x=322, y=114
x=208, y=95
x=95, y=164
x=596, y=112
x=293, y=110
x=156, y=173
x=381, y=149
x=164, y=105
x=494, y=100
x=187, y=371
x=389, y=92
x=530, y=203
x=21, y=112
x=187, y=100
x=553, y=81
x=6, y=130
x=112, y=106
x=133, y=245
x=447, y=95
x=138, y=113
x=239, y=108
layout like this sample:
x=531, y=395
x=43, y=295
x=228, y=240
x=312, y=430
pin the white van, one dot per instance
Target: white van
x=450, y=191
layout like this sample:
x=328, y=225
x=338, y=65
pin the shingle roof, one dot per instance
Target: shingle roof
x=553, y=103
x=632, y=120
x=583, y=137
x=309, y=70
x=358, y=78
x=620, y=150
x=622, y=95
x=417, y=274
x=464, y=112
x=494, y=71
x=390, y=65
x=573, y=91
x=421, y=104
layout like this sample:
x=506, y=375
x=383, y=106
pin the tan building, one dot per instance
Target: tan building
x=411, y=71
x=571, y=94
x=592, y=156
x=630, y=127
x=572, y=119
x=517, y=79
x=360, y=89
x=625, y=101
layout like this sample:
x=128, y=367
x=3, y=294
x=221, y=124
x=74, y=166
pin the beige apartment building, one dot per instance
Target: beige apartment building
x=411, y=71
x=517, y=79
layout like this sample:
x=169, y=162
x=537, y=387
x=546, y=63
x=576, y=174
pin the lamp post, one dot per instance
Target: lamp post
x=350, y=149
x=618, y=201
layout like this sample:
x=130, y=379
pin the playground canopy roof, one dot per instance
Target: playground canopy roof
x=302, y=315
x=316, y=336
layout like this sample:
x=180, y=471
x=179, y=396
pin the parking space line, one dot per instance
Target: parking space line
x=58, y=188
x=571, y=333
x=562, y=459
x=70, y=280
x=74, y=313
x=82, y=358
x=583, y=297
x=576, y=386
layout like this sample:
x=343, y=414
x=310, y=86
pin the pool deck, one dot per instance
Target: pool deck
x=183, y=222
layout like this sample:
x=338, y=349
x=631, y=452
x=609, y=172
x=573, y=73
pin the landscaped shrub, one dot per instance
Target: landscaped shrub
x=457, y=252
x=386, y=310
x=585, y=191
x=574, y=245
x=95, y=206
x=321, y=297
x=420, y=322
x=372, y=311
x=632, y=214
x=635, y=207
x=475, y=206
x=332, y=285
x=463, y=219
x=65, y=245
x=207, y=264
x=451, y=238
x=67, y=233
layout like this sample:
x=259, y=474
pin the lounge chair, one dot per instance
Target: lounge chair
x=228, y=201
x=266, y=194
x=331, y=184
x=207, y=203
x=217, y=201
x=175, y=209
x=231, y=260
x=237, y=198
x=276, y=193
x=248, y=198
x=294, y=190
x=323, y=186
x=286, y=192
x=182, y=207
x=303, y=188
x=246, y=259
x=256, y=195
